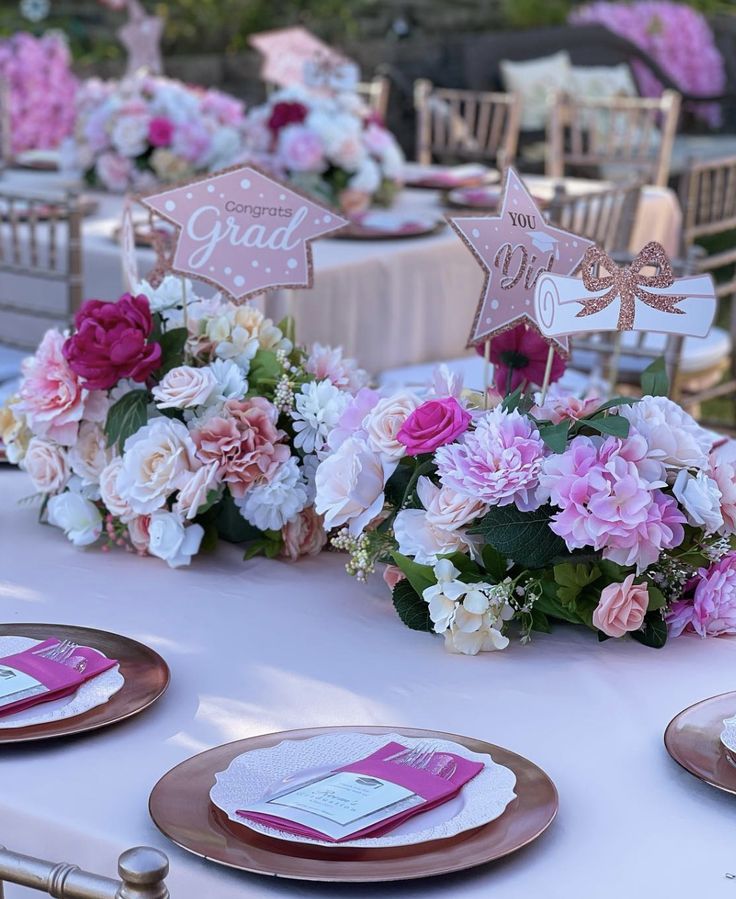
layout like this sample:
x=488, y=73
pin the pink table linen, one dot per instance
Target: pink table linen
x=268, y=646
x=387, y=302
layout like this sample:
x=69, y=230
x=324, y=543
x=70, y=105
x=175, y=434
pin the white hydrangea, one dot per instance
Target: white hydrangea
x=674, y=437
x=170, y=293
x=319, y=405
x=231, y=382
x=270, y=506
x=471, y=616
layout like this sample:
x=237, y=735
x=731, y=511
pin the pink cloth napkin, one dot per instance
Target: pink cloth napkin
x=435, y=790
x=60, y=679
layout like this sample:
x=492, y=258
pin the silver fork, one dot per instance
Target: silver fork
x=425, y=757
x=60, y=653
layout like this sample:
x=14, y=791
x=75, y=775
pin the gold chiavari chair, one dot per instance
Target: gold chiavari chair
x=465, y=126
x=613, y=137
x=41, y=242
x=375, y=94
x=142, y=873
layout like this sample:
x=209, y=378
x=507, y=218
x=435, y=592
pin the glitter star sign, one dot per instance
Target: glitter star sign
x=515, y=248
x=243, y=231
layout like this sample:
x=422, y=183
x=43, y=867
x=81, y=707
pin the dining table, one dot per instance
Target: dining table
x=387, y=302
x=266, y=645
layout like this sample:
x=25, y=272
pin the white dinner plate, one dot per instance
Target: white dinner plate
x=254, y=775
x=92, y=693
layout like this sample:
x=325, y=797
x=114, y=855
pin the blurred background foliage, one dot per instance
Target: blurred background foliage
x=207, y=26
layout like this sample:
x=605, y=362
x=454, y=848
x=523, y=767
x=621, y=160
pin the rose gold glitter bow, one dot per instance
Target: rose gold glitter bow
x=628, y=283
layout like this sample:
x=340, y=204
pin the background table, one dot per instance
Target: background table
x=267, y=646
x=388, y=302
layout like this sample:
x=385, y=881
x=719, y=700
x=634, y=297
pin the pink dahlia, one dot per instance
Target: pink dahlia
x=499, y=462
x=711, y=610
x=328, y=362
x=608, y=503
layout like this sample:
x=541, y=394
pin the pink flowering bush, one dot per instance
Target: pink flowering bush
x=615, y=516
x=42, y=89
x=149, y=430
x=145, y=130
x=677, y=36
x=331, y=146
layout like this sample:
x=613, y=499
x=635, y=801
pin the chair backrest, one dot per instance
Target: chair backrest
x=6, y=150
x=40, y=243
x=461, y=125
x=606, y=217
x=142, y=873
x=614, y=137
x=708, y=200
x=375, y=93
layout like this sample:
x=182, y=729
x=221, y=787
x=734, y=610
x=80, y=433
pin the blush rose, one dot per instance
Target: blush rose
x=621, y=608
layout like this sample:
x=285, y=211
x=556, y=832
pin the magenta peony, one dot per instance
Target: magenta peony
x=286, y=113
x=160, y=131
x=432, y=425
x=111, y=342
x=519, y=356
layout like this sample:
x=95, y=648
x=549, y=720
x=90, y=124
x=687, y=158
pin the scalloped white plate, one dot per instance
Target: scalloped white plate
x=728, y=738
x=253, y=775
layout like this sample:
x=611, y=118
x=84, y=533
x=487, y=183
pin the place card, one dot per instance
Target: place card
x=243, y=231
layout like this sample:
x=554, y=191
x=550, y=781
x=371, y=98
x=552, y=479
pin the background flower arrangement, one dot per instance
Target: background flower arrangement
x=42, y=89
x=332, y=147
x=161, y=432
x=617, y=516
x=145, y=130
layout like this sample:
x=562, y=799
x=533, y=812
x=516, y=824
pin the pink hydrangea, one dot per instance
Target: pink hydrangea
x=52, y=397
x=499, y=462
x=328, y=362
x=607, y=503
x=350, y=423
x=711, y=610
x=560, y=407
x=300, y=149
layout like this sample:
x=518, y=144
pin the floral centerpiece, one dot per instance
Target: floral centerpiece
x=618, y=516
x=331, y=146
x=42, y=89
x=144, y=130
x=676, y=36
x=161, y=428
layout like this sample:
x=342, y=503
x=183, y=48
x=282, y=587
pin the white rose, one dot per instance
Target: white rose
x=47, y=465
x=423, y=541
x=130, y=135
x=77, y=516
x=446, y=508
x=171, y=541
x=673, y=436
x=157, y=460
x=168, y=294
x=90, y=454
x=193, y=495
x=350, y=486
x=385, y=420
x=184, y=387
x=368, y=177
x=109, y=494
x=700, y=498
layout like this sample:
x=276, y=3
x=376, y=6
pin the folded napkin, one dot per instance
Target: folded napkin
x=33, y=678
x=322, y=809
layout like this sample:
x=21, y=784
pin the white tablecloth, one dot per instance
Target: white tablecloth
x=388, y=303
x=268, y=646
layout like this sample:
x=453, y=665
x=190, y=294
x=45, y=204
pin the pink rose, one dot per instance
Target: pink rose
x=304, y=535
x=353, y=202
x=139, y=533
x=47, y=465
x=432, y=425
x=52, y=397
x=160, y=131
x=393, y=575
x=621, y=608
x=245, y=443
x=111, y=342
x=114, y=172
x=300, y=149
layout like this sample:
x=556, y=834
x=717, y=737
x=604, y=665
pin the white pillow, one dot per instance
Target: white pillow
x=598, y=82
x=536, y=81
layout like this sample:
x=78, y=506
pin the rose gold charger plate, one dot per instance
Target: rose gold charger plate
x=145, y=673
x=181, y=808
x=693, y=740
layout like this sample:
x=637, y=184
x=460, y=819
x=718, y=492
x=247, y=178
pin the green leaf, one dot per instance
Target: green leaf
x=512, y=400
x=573, y=579
x=609, y=424
x=657, y=599
x=494, y=563
x=612, y=403
x=524, y=537
x=411, y=608
x=654, y=380
x=549, y=605
x=210, y=537
x=264, y=368
x=540, y=622
x=653, y=632
x=230, y=524
x=555, y=436
x=419, y=576
x=125, y=417
x=398, y=483
x=172, y=349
